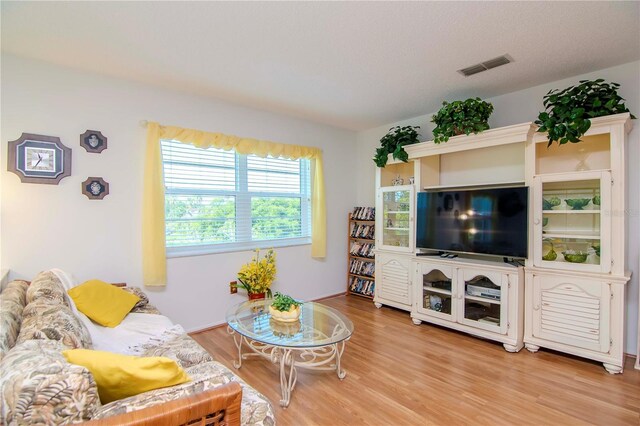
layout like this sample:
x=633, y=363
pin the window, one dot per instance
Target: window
x=219, y=200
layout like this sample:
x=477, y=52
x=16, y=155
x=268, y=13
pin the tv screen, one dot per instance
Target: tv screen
x=479, y=221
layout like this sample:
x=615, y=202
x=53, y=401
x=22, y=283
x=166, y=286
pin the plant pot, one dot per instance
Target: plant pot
x=256, y=296
x=291, y=315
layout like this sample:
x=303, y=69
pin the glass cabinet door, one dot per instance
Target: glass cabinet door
x=395, y=220
x=572, y=224
x=483, y=300
x=436, y=291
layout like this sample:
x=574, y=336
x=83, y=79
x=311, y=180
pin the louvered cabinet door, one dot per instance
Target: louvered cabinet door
x=393, y=278
x=572, y=311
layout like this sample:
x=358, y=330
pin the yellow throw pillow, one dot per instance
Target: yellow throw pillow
x=104, y=303
x=120, y=376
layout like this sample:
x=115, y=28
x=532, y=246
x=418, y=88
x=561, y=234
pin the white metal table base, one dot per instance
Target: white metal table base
x=325, y=358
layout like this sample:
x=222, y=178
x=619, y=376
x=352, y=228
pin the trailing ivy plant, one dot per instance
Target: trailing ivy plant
x=567, y=113
x=461, y=117
x=393, y=143
x=283, y=302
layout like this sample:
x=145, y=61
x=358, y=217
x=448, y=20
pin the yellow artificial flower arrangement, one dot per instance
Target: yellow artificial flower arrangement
x=258, y=275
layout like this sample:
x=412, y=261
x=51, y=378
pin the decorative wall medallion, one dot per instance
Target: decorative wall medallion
x=95, y=188
x=39, y=159
x=93, y=141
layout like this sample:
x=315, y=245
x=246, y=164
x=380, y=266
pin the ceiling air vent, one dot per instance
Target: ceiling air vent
x=486, y=65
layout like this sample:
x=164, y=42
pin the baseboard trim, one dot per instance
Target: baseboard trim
x=224, y=324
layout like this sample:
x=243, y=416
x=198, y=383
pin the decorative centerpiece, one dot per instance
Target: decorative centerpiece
x=257, y=276
x=574, y=256
x=461, y=118
x=284, y=308
x=568, y=112
x=393, y=143
x=550, y=203
x=577, y=203
x=550, y=253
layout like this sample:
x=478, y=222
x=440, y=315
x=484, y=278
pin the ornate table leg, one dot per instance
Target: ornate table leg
x=237, y=339
x=339, y=348
x=287, y=362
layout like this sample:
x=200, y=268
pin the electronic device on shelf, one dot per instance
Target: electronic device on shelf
x=478, y=291
x=487, y=221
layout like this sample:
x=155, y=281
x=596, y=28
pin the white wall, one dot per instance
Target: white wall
x=523, y=106
x=45, y=226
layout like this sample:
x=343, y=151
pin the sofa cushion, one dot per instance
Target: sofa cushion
x=102, y=302
x=120, y=376
x=47, y=288
x=44, y=321
x=12, y=301
x=144, y=299
x=179, y=347
x=256, y=409
x=38, y=386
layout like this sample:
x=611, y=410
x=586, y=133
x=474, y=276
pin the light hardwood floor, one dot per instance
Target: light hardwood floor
x=402, y=374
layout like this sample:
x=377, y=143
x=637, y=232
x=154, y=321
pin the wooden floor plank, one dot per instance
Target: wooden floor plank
x=402, y=374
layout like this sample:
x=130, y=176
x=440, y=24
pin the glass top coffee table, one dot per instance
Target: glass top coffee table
x=316, y=341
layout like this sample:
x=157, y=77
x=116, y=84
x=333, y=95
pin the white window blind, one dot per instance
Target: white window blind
x=219, y=200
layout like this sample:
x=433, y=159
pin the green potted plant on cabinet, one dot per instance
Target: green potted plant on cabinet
x=393, y=143
x=461, y=117
x=568, y=112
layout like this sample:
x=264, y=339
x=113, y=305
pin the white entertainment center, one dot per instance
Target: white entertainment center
x=569, y=295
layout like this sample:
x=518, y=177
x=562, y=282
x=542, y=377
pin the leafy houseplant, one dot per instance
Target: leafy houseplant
x=567, y=113
x=461, y=117
x=257, y=276
x=393, y=143
x=284, y=308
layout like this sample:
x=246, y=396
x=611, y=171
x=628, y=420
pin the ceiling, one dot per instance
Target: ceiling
x=354, y=65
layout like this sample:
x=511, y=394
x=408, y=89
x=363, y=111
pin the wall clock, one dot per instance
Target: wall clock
x=39, y=159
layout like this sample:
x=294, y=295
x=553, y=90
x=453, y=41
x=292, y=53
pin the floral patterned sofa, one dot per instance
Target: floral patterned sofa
x=38, y=386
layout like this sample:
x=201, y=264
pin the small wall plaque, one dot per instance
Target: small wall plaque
x=95, y=188
x=93, y=141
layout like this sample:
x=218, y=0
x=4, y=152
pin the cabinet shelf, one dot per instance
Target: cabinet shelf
x=574, y=235
x=366, y=259
x=362, y=220
x=592, y=211
x=362, y=239
x=436, y=290
x=365, y=277
x=482, y=299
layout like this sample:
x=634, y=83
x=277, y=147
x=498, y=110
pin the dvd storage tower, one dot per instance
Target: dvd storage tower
x=575, y=274
x=361, y=244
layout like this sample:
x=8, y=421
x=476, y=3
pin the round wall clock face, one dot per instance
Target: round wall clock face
x=39, y=159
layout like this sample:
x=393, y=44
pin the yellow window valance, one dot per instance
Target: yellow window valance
x=154, y=260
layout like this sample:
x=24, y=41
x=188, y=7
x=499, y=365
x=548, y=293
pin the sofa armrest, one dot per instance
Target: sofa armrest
x=216, y=407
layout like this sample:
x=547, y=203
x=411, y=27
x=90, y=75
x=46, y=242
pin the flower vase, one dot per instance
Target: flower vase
x=256, y=296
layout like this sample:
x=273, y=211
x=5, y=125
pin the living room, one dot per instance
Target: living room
x=115, y=67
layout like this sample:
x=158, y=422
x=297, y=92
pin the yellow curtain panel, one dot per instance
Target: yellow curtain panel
x=154, y=259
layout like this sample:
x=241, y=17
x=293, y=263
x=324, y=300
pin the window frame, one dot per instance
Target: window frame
x=243, y=207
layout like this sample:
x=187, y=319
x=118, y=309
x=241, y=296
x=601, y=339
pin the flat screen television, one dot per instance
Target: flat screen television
x=476, y=221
